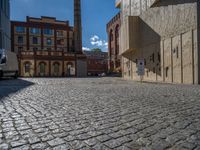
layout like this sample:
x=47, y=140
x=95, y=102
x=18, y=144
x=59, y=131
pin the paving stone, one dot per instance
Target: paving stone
x=18, y=143
x=77, y=144
x=47, y=137
x=62, y=147
x=113, y=143
x=39, y=146
x=98, y=113
x=91, y=142
x=56, y=142
x=4, y=146
x=103, y=138
x=33, y=140
x=24, y=147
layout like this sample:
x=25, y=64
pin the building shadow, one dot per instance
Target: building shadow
x=149, y=49
x=10, y=86
x=171, y=2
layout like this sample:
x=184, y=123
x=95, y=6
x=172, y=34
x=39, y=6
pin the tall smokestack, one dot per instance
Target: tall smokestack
x=77, y=26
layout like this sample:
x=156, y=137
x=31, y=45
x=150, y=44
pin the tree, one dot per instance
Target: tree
x=96, y=50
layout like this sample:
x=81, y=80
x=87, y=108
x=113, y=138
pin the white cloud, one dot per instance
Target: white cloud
x=94, y=38
x=96, y=41
x=86, y=49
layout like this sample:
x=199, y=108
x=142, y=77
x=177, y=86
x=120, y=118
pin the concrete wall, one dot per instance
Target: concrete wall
x=81, y=68
x=169, y=31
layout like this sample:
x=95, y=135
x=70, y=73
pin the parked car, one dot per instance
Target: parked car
x=8, y=64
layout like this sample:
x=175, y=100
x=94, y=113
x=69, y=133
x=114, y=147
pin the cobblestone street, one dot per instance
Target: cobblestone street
x=99, y=114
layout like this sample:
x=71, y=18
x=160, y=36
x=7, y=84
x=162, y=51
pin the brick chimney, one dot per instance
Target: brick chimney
x=77, y=26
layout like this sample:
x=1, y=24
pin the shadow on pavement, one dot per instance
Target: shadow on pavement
x=9, y=86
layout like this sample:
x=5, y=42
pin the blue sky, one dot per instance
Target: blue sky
x=95, y=15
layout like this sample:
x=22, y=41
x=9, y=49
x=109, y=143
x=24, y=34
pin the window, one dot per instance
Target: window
x=60, y=42
x=152, y=58
x=20, y=49
x=35, y=40
x=56, y=69
x=27, y=68
x=20, y=39
x=154, y=70
x=159, y=58
x=59, y=33
x=111, y=36
x=49, y=41
x=20, y=29
x=166, y=71
x=42, y=69
x=35, y=48
x=177, y=52
x=48, y=31
x=35, y=30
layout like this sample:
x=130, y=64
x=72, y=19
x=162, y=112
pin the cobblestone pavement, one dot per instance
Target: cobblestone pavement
x=99, y=114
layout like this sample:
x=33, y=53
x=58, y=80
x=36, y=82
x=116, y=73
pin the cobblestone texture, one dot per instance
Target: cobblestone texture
x=99, y=114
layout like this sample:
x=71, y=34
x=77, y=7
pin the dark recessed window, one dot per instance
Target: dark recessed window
x=166, y=71
x=177, y=52
x=60, y=42
x=159, y=57
x=35, y=40
x=153, y=57
x=35, y=48
x=27, y=68
x=20, y=49
x=154, y=70
x=20, y=39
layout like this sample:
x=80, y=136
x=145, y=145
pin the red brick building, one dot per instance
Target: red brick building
x=113, y=27
x=97, y=62
x=45, y=47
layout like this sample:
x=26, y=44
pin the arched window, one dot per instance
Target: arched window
x=56, y=69
x=42, y=67
x=69, y=68
x=111, y=35
x=117, y=40
x=117, y=31
x=27, y=67
x=110, y=42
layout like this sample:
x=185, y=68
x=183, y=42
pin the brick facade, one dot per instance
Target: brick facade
x=45, y=47
x=97, y=62
x=114, y=63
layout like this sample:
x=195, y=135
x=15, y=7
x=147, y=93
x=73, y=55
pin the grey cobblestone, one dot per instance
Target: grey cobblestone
x=98, y=113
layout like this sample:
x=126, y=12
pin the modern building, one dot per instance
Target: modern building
x=165, y=34
x=49, y=47
x=5, y=24
x=114, y=62
x=97, y=62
